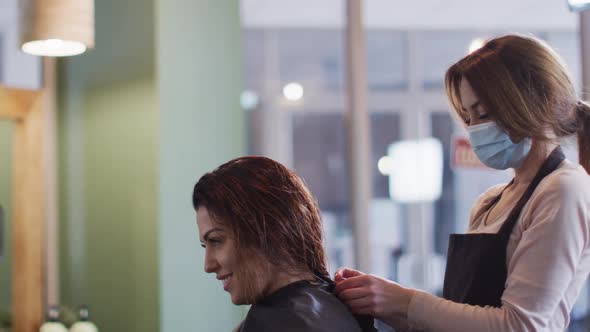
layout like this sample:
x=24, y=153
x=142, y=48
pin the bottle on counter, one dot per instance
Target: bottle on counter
x=83, y=324
x=52, y=323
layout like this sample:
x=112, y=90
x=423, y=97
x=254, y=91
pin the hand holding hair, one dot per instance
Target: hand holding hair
x=367, y=294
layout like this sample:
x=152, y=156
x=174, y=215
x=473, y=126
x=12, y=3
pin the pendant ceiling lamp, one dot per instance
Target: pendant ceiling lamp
x=57, y=27
x=578, y=5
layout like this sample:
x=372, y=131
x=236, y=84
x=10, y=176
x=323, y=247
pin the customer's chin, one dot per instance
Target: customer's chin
x=238, y=300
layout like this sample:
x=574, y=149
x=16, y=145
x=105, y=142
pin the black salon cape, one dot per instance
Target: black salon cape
x=303, y=306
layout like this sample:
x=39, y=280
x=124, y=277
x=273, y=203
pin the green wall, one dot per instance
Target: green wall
x=108, y=145
x=141, y=118
x=6, y=133
x=118, y=276
x=201, y=126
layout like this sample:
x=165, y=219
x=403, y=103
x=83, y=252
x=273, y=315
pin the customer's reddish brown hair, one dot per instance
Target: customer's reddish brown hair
x=269, y=210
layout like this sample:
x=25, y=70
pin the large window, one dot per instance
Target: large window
x=406, y=101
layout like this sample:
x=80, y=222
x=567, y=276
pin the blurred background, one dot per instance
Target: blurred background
x=174, y=88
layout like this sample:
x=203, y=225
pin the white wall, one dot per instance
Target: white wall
x=414, y=14
x=16, y=68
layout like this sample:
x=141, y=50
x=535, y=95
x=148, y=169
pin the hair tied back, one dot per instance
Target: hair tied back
x=583, y=109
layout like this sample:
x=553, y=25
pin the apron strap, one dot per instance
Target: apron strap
x=550, y=164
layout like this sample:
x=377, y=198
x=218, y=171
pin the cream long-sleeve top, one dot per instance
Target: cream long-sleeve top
x=548, y=260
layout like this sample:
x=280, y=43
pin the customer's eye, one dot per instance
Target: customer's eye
x=483, y=116
x=215, y=242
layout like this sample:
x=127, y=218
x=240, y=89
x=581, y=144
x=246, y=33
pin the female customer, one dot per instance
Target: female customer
x=262, y=234
x=526, y=254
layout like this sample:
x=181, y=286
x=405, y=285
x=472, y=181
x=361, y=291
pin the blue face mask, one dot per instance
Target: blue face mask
x=494, y=147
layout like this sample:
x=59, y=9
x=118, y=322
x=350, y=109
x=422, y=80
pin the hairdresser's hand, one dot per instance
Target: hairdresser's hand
x=367, y=294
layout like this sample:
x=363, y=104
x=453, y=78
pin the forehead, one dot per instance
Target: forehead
x=468, y=96
x=205, y=222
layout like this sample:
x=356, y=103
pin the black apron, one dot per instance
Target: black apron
x=476, y=265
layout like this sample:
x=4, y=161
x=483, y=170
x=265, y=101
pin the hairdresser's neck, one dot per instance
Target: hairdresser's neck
x=524, y=174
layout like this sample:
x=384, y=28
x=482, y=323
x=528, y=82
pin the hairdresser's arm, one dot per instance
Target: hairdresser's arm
x=540, y=271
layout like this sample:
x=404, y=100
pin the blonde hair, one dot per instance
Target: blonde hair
x=525, y=88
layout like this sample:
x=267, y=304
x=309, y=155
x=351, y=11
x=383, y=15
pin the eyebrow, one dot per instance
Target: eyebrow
x=475, y=104
x=206, y=236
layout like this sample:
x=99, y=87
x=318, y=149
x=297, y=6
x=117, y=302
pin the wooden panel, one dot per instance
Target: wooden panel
x=14, y=103
x=34, y=199
x=28, y=228
x=49, y=142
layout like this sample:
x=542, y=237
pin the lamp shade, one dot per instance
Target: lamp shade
x=57, y=27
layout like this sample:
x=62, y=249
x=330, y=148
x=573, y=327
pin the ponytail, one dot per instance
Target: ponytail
x=583, y=117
